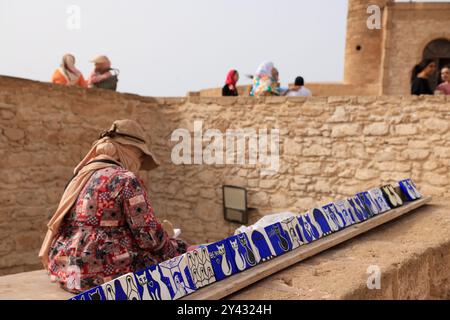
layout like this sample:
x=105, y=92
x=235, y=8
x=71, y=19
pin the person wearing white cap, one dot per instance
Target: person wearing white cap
x=103, y=76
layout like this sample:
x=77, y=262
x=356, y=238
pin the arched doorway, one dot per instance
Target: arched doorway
x=439, y=51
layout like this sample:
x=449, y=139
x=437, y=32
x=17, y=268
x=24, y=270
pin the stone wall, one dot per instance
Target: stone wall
x=330, y=147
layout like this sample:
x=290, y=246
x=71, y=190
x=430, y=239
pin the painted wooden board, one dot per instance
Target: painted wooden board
x=239, y=281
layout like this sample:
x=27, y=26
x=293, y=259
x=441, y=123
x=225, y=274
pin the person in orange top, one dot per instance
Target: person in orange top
x=67, y=74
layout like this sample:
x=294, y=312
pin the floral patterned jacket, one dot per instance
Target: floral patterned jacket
x=111, y=230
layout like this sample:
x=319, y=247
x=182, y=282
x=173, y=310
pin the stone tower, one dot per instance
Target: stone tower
x=363, y=50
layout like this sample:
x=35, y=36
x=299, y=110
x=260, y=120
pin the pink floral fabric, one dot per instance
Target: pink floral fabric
x=110, y=231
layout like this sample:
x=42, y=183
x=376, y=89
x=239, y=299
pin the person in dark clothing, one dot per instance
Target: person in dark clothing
x=420, y=75
x=229, y=89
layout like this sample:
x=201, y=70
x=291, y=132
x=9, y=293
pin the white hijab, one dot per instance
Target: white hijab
x=265, y=69
x=68, y=69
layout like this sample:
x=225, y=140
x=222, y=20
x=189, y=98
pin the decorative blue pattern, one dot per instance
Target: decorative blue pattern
x=292, y=227
x=92, y=294
x=281, y=242
x=261, y=242
x=122, y=288
x=367, y=201
x=241, y=252
x=200, y=267
x=320, y=220
x=177, y=271
x=409, y=190
x=152, y=285
x=334, y=219
x=344, y=210
x=222, y=259
x=379, y=200
x=308, y=230
x=358, y=209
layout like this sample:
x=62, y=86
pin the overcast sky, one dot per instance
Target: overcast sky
x=169, y=47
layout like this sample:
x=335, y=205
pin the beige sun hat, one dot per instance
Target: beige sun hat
x=100, y=59
x=129, y=132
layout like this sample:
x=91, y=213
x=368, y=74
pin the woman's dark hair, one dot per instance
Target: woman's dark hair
x=418, y=68
x=299, y=81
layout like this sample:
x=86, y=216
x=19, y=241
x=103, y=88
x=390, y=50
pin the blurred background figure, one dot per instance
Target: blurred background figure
x=229, y=89
x=419, y=77
x=103, y=76
x=67, y=74
x=299, y=89
x=444, y=87
x=265, y=80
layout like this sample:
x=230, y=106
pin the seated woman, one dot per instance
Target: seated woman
x=265, y=81
x=105, y=226
x=229, y=89
x=67, y=74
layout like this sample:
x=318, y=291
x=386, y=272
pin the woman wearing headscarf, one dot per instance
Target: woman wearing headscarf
x=265, y=80
x=105, y=226
x=230, y=84
x=67, y=74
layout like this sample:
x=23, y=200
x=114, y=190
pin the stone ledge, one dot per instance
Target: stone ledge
x=346, y=93
x=34, y=285
x=413, y=258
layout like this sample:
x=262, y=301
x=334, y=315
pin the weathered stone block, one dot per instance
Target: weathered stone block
x=345, y=130
x=377, y=129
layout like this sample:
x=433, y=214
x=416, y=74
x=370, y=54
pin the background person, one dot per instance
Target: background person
x=103, y=76
x=265, y=80
x=67, y=74
x=299, y=89
x=229, y=89
x=419, y=77
x=444, y=87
